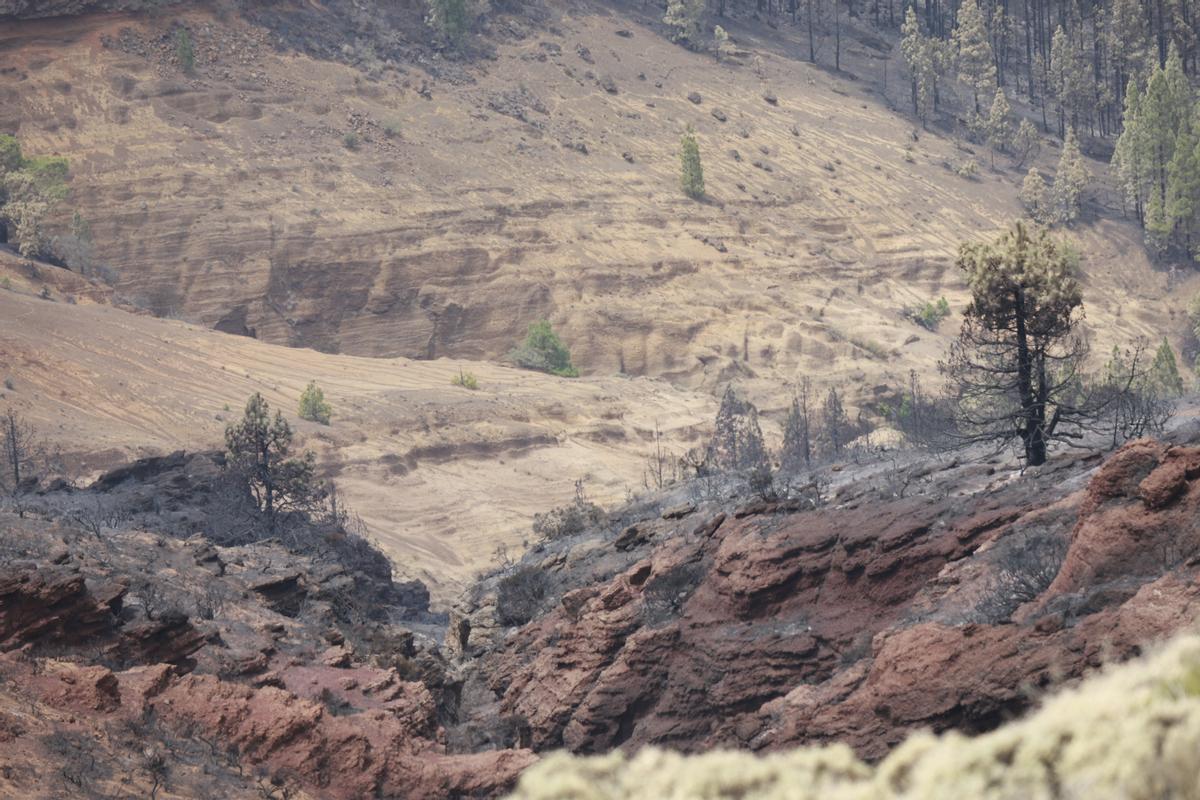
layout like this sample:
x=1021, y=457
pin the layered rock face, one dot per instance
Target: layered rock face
x=855, y=623
x=101, y=667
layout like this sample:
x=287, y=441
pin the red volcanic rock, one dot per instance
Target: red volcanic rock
x=1138, y=517
x=857, y=623
x=684, y=647
x=367, y=754
x=967, y=677
x=51, y=604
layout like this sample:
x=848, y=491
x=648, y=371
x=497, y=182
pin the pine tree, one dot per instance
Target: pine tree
x=976, y=63
x=1033, y=195
x=1183, y=188
x=1070, y=180
x=721, y=41
x=684, y=18
x=1164, y=375
x=796, y=452
x=691, y=172
x=1014, y=369
x=1070, y=81
x=920, y=56
x=1025, y=142
x=260, y=453
x=999, y=124
x=1129, y=152
x=313, y=406
x=449, y=18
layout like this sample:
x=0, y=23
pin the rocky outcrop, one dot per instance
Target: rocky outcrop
x=856, y=623
x=1134, y=732
x=246, y=697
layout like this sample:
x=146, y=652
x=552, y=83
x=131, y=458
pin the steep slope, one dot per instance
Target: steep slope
x=441, y=475
x=543, y=181
x=925, y=597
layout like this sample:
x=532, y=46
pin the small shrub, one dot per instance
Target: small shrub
x=929, y=315
x=465, y=380
x=542, y=350
x=391, y=128
x=313, y=406
x=520, y=595
x=575, y=517
x=351, y=141
x=184, y=51
x=8, y=384
x=968, y=169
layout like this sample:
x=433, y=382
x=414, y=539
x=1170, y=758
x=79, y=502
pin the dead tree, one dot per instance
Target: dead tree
x=20, y=456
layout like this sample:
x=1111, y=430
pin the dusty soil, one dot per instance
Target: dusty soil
x=441, y=475
x=483, y=195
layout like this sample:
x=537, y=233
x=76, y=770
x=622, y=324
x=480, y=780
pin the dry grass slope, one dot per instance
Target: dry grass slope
x=440, y=474
x=469, y=209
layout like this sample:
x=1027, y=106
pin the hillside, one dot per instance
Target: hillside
x=542, y=180
x=441, y=475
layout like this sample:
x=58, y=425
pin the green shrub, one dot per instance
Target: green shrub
x=313, y=406
x=184, y=51
x=542, y=350
x=465, y=380
x=391, y=128
x=351, y=141
x=929, y=315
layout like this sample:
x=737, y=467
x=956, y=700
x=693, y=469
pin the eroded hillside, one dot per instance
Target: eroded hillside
x=441, y=475
x=426, y=207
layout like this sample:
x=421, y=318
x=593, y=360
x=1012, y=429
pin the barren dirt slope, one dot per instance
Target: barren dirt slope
x=543, y=182
x=441, y=475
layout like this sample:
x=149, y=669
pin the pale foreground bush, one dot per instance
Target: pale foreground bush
x=1129, y=733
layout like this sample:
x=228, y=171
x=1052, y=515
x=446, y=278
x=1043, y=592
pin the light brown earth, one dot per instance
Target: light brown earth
x=441, y=475
x=229, y=198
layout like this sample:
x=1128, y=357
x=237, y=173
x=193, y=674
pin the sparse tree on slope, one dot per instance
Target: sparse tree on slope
x=691, y=172
x=1130, y=151
x=1183, y=189
x=1014, y=370
x=976, y=63
x=796, y=453
x=260, y=452
x=684, y=17
x=1033, y=195
x=18, y=457
x=313, y=406
x=1164, y=374
x=450, y=18
x=999, y=125
x=1070, y=180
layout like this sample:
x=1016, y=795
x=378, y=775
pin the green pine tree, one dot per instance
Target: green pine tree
x=1000, y=124
x=1183, y=188
x=976, y=64
x=1033, y=195
x=313, y=406
x=919, y=55
x=1070, y=180
x=691, y=171
x=684, y=17
x=1164, y=374
x=1129, y=152
x=450, y=18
